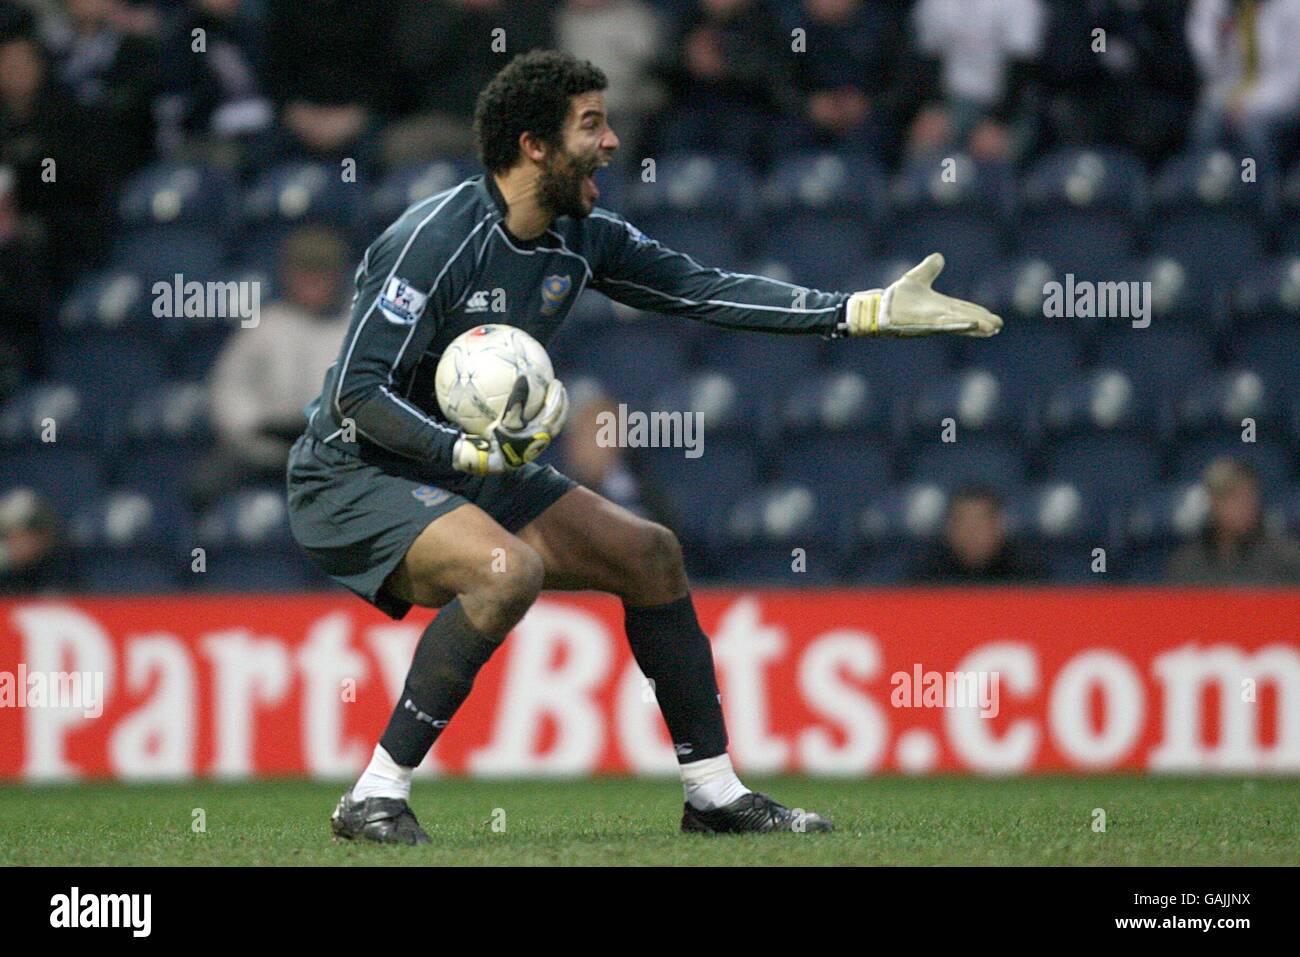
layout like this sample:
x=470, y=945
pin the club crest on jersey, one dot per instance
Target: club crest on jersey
x=555, y=289
x=478, y=302
x=430, y=495
x=401, y=303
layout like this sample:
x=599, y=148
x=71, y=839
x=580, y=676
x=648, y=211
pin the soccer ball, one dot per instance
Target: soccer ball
x=479, y=370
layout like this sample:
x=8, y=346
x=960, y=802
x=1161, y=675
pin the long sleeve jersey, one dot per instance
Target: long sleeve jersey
x=449, y=264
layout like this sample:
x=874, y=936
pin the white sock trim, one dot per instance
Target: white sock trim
x=383, y=777
x=711, y=783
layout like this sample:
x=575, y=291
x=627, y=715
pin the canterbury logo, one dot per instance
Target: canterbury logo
x=684, y=748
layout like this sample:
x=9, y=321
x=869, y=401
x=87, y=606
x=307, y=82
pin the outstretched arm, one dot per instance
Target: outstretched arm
x=642, y=273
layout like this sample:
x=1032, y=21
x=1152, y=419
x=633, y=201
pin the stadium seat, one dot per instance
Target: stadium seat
x=1158, y=360
x=72, y=480
x=109, y=300
x=972, y=459
x=159, y=253
x=1290, y=235
x=761, y=362
x=255, y=519
x=1271, y=293
x=1156, y=523
x=699, y=205
x=1201, y=207
x=974, y=398
x=1079, y=208
x=1270, y=458
x=1029, y=358
x=961, y=214
x=1272, y=349
x=292, y=194
x=818, y=212
x=1218, y=402
x=176, y=194
x=1058, y=521
x=842, y=402
x=892, y=530
x=408, y=185
x=129, y=543
x=632, y=360
x=1100, y=430
x=26, y=418
x=755, y=539
x=109, y=370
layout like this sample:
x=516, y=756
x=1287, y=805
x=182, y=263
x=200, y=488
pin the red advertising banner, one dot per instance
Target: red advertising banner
x=822, y=682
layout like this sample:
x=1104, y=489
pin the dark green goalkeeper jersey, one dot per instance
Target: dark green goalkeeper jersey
x=449, y=264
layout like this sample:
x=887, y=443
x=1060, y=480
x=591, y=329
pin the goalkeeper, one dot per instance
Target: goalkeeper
x=397, y=505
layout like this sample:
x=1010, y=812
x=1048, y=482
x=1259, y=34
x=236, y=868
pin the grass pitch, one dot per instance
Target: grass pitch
x=622, y=821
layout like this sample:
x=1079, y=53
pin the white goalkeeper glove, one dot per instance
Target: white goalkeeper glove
x=509, y=442
x=911, y=308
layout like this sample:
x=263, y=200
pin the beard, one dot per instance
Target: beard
x=560, y=188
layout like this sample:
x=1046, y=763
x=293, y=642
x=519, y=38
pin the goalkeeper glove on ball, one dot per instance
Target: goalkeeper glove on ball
x=510, y=442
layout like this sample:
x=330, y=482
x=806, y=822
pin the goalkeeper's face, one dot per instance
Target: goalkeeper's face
x=568, y=184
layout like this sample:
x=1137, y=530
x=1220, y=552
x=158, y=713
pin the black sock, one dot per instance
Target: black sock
x=674, y=653
x=450, y=653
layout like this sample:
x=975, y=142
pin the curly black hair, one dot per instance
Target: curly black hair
x=530, y=94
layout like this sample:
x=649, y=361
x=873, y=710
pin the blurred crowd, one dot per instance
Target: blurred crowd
x=92, y=91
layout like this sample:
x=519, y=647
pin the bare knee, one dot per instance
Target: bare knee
x=508, y=585
x=655, y=572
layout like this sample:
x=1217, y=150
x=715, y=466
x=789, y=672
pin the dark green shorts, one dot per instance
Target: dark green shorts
x=356, y=519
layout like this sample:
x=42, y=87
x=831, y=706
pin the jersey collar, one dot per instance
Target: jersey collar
x=490, y=193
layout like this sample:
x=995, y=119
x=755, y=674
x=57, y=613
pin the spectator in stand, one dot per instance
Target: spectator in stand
x=1235, y=548
x=267, y=373
x=625, y=39
x=986, y=52
x=218, y=94
x=857, y=75
x=108, y=57
x=329, y=67
x=447, y=51
x=1247, y=54
x=601, y=465
x=33, y=556
x=24, y=293
x=729, y=82
x=975, y=549
x=56, y=151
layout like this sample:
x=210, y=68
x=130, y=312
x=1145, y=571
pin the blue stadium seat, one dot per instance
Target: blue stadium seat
x=1217, y=403
x=1290, y=238
x=697, y=204
x=1270, y=458
x=293, y=194
x=70, y=479
x=961, y=214
x=109, y=370
x=975, y=399
x=159, y=253
x=818, y=215
x=408, y=185
x=1029, y=358
x=1058, y=521
x=1159, y=360
x=842, y=402
x=1101, y=430
x=755, y=539
x=1271, y=348
x=251, y=519
x=1271, y=293
x=632, y=360
x=129, y=543
x=1079, y=208
x=889, y=366
x=893, y=530
x=983, y=459
x=109, y=300
x=239, y=571
x=24, y=418
x=177, y=194
x=1156, y=523
x=756, y=360
x=1201, y=207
